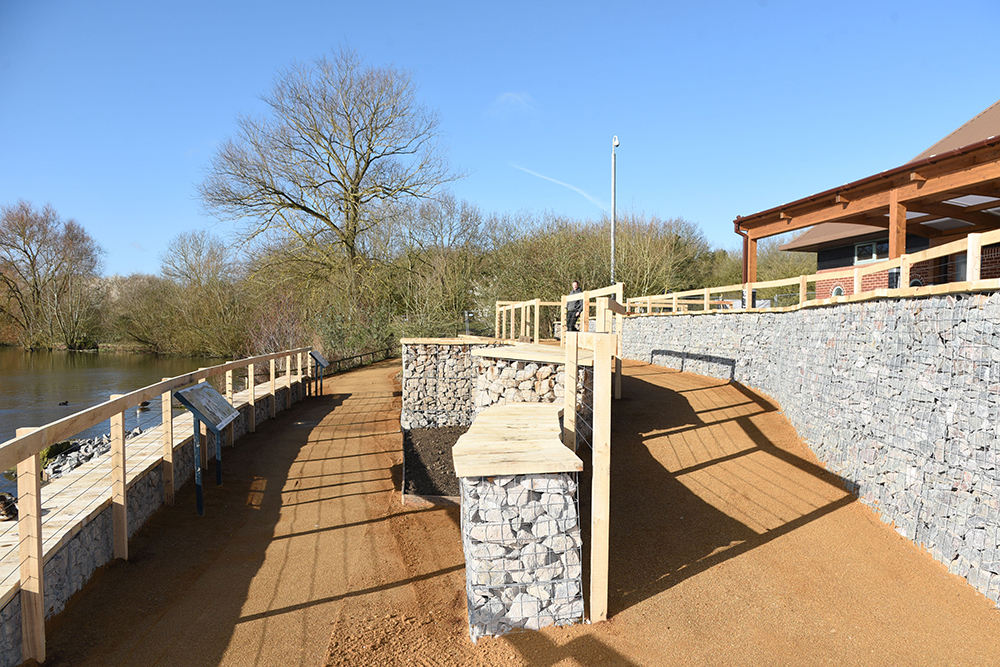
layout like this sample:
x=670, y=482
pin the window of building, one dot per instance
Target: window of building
x=961, y=262
x=871, y=251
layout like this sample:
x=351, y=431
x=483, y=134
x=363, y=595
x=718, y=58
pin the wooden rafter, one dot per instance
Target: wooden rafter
x=963, y=213
x=970, y=174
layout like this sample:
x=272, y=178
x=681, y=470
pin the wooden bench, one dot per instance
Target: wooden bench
x=514, y=439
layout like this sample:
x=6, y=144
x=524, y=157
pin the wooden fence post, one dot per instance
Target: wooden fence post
x=803, y=289
x=274, y=396
x=503, y=323
x=119, y=484
x=904, y=271
x=167, y=433
x=562, y=320
x=298, y=356
x=252, y=388
x=673, y=304
x=619, y=325
x=604, y=348
x=569, y=394
x=29, y=529
x=538, y=329
x=708, y=300
x=496, y=320
x=230, y=437
x=974, y=256
x=857, y=280
x=584, y=312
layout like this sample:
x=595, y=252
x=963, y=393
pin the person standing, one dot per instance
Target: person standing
x=573, y=308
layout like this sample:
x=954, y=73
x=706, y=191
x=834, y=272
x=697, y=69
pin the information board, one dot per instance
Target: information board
x=319, y=359
x=208, y=406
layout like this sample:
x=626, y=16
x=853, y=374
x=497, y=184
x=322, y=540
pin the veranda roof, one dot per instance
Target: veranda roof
x=956, y=191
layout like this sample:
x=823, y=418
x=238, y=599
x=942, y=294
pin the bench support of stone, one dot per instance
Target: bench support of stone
x=521, y=523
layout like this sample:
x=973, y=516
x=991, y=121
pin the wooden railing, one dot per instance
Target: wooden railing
x=527, y=314
x=709, y=298
x=591, y=299
x=604, y=347
x=24, y=452
x=345, y=363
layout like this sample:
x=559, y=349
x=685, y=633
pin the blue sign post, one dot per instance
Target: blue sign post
x=322, y=363
x=211, y=408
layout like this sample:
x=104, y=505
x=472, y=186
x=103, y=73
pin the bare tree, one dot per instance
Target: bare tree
x=196, y=259
x=344, y=143
x=46, y=267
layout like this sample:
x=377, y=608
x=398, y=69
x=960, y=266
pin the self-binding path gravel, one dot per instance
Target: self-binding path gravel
x=730, y=545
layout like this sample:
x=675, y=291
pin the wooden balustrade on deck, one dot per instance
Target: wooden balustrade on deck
x=24, y=452
x=971, y=246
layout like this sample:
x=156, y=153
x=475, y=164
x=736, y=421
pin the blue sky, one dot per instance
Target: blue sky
x=111, y=111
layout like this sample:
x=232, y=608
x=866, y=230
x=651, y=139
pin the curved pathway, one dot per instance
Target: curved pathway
x=731, y=545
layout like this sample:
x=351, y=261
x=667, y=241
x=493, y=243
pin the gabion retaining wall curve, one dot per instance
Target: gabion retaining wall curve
x=899, y=396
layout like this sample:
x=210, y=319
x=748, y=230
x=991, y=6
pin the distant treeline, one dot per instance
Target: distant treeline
x=343, y=237
x=427, y=265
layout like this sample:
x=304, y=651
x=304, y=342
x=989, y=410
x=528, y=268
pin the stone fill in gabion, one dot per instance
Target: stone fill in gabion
x=521, y=535
x=900, y=397
x=438, y=384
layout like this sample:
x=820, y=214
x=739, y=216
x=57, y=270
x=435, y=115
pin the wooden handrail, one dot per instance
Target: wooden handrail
x=21, y=447
x=854, y=273
x=24, y=451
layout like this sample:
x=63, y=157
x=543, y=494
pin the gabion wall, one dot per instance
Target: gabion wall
x=521, y=536
x=899, y=396
x=439, y=380
x=444, y=384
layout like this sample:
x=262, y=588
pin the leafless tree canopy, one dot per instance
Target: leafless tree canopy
x=197, y=259
x=344, y=144
x=48, y=277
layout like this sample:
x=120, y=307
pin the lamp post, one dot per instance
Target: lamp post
x=614, y=145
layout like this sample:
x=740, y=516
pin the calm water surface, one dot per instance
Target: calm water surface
x=32, y=384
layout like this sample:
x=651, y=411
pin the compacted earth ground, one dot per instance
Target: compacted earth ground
x=730, y=545
x=428, y=469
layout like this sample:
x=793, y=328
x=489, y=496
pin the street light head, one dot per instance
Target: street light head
x=614, y=142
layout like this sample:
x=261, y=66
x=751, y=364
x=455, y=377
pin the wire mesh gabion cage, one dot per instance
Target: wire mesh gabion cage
x=521, y=536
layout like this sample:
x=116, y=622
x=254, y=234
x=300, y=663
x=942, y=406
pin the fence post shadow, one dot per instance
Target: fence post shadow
x=662, y=532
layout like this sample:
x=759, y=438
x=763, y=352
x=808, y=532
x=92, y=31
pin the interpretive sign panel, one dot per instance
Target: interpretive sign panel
x=208, y=406
x=319, y=358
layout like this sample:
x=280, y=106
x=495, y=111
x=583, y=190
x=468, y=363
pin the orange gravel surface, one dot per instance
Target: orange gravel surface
x=730, y=545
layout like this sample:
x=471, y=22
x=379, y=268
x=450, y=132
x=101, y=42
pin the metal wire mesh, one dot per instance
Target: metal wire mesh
x=585, y=407
x=521, y=537
x=919, y=393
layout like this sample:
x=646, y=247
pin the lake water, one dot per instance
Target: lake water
x=33, y=384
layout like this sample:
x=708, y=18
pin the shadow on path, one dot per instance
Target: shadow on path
x=696, y=481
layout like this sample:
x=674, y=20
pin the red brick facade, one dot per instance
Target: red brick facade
x=931, y=272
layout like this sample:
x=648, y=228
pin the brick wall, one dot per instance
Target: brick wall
x=930, y=272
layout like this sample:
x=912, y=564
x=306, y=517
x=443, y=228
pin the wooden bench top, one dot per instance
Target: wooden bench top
x=514, y=439
x=538, y=353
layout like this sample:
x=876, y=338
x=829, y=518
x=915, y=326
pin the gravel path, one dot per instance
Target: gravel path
x=730, y=546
